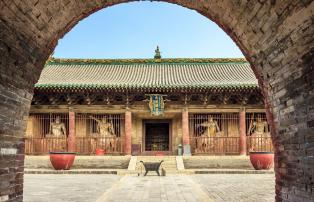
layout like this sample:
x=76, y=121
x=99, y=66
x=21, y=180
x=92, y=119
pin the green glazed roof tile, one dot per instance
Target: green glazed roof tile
x=147, y=73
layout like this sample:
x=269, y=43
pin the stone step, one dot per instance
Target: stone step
x=163, y=165
x=139, y=159
x=157, y=157
x=172, y=161
x=152, y=160
x=165, y=162
x=169, y=162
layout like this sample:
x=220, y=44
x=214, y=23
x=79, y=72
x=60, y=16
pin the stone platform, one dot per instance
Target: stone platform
x=122, y=162
x=217, y=162
x=73, y=171
x=80, y=162
x=127, y=165
x=136, y=172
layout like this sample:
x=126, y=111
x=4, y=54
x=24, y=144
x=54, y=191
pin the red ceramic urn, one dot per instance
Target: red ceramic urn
x=100, y=152
x=159, y=154
x=262, y=160
x=62, y=160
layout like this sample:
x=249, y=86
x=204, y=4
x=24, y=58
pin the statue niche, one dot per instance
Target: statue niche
x=57, y=129
x=106, y=137
x=56, y=136
x=258, y=130
x=208, y=140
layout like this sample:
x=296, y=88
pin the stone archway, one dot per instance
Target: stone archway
x=275, y=36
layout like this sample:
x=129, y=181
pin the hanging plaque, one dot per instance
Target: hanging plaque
x=156, y=104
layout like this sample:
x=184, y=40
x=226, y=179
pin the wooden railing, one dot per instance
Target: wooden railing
x=88, y=145
x=259, y=143
x=215, y=145
x=228, y=145
x=38, y=146
x=84, y=145
x=199, y=145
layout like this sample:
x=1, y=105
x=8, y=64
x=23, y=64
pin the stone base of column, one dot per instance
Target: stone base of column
x=186, y=150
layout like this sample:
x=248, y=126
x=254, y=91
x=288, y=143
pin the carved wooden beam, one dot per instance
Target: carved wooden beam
x=71, y=99
x=204, y=99
x=127, y=100
x=54, y=99
x=108, y=99
x=225, y=99
x=244, y=99
x=186, y=99
x=90, y=98
x=39, y=99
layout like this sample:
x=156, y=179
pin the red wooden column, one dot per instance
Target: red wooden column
x=185, y=132
x=128, y=132
x=242, y=128
x=71, y=136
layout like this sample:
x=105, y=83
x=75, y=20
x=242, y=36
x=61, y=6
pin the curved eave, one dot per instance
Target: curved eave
x=104, y=88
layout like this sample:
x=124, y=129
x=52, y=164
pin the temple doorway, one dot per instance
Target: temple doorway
x=157, y=135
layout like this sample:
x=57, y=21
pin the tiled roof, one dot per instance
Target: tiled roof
x=147, y=73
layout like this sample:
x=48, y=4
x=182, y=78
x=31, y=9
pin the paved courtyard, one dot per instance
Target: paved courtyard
x=238, y=187
x=211, y=187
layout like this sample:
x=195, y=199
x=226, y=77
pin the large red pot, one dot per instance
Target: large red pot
x=62, y=160
x=100, y=152
x=159, y=154
x=262, y=160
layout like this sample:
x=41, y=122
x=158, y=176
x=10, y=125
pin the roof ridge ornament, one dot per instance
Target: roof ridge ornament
x=50, y=58
x=157, y=54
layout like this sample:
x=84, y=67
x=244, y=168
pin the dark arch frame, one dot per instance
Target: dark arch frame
x=276, y=37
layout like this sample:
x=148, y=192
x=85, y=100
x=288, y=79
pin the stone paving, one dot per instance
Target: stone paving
x=238, y=187
x=172, y=188
x=65, y=187
x=155, y=189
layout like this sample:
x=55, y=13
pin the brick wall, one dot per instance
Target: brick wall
x=275, y=36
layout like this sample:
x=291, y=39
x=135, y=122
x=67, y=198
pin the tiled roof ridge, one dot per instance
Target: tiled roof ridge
x=59, y=61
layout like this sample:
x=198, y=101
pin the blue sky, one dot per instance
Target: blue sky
x=133, y=30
